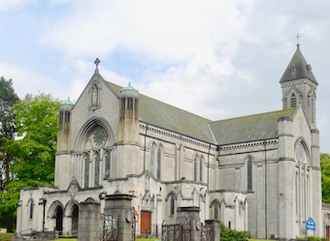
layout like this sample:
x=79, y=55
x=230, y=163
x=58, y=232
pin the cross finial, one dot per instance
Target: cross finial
x=297, y=37
x=96, y=62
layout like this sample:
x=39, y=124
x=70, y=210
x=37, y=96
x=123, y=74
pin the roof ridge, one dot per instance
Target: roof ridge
x=262, y=113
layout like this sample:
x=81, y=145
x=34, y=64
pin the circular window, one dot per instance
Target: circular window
x=99, y=137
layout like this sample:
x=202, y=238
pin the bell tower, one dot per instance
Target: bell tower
x=299, y=86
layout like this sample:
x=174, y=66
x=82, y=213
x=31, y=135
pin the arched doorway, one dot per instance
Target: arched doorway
x=59, y=219
x=75, y=214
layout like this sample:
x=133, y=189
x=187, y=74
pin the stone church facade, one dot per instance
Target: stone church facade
x=259, y=173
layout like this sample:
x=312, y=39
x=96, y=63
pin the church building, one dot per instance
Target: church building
x=258, y=173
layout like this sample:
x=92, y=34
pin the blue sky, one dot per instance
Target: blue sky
x=218, y=59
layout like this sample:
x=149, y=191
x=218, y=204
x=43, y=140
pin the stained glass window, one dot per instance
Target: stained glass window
x=97, y=170
x=107, y=164
x=159, y=156
x=86, y=184
x=201, y=170
x=152, y=159
x=172, y=206
x=195, y=169
x=249, y=174
x=216, y=211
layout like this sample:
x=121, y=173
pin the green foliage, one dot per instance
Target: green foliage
x=229, y=234
x=325, y=174
x=8, y=99
x=312, y=238
x=36, y=124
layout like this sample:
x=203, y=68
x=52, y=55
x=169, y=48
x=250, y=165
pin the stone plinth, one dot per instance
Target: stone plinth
x=215, y=228
x=120, y=204
x=89, y=221
x=193, y=214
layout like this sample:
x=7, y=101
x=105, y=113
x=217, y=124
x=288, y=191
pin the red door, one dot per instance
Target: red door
x=327, y=231
x=145, y=222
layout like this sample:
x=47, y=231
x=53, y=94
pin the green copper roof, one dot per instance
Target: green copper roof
x=249, y=128
x=67, y=102
x=129, y=87
x=298, y=68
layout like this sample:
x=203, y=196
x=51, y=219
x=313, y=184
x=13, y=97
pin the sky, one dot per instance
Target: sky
x=218, y=59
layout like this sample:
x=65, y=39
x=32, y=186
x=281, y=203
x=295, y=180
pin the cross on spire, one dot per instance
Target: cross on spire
x=96, y=62
x=297, y=37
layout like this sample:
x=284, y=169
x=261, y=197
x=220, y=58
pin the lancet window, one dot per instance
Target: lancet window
x=172, y=203
x=198, y=164
x=86, y=177
x=155, y=166
x=159, y=156
x=249, y=174
x=107, y=164
x=31, y=208
x=97, y=170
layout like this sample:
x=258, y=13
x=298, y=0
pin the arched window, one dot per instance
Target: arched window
x=293, y=100
x=216, y=211
x=195, y=168
x=307, y=196
x=97, y=170
x=303, y=194
x=249, y=174
x=159, y=156
x=31, y=208
x=297, y=194
x=172, y=205
x=107, y=164
x=152, y=159
x=86, y=181
x=201, y=169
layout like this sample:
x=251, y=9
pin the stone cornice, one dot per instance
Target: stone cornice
x=177, y=136
x=253, y=144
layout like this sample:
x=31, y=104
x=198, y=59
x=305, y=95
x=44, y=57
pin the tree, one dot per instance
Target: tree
x=36, y=125
x=325, y=174
x=8, y=98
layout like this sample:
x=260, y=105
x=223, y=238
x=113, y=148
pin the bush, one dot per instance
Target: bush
x=229, y=234
x=312, y=238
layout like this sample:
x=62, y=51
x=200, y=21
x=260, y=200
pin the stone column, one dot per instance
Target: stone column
x=120, y=204
x=89, y=221
x=195, y=225
x=215, y=228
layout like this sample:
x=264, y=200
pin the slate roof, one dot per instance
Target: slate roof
x=249, y=128
x=298, y=68
x=171, y=118
x=246, y=128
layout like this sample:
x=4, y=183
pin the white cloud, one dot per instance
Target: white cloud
x=13, y=5
x=26, y=81
x=161, y=30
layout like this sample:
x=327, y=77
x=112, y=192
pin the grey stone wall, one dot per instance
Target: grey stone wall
x=89, y=221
